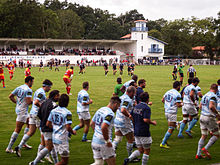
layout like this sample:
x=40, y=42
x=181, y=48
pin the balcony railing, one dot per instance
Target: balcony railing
x=155, y=50
x=139, y=29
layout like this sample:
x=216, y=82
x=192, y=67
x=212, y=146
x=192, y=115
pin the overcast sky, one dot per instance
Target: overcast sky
x=155, y=9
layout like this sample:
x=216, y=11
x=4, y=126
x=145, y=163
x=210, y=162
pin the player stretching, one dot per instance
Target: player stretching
x=121, y=67
x=102, y=123
x=127, y=84
x=27, y=71
x=34, y=122
x=2, y=77
x=60, y=119
x=208, y=121
x=123, y=120
x=83, y=102
x=11, y=69
x=24, y=99
x=174, y=71
x=46, y=134
x=181, y=75
x=67, y=78
x=172, y=101
x=114, y=67
x=106, y=68
x=189, y=108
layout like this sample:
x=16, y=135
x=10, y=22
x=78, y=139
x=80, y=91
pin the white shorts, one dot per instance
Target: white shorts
x=124, y=131
x=47, y=135
x=84, y=115
x=22, y=118
x=208, y=123
x=62, y=149
x=144, y=142
x=33, y=119
x=189, y=109
x=101, y=151
x=171, y=117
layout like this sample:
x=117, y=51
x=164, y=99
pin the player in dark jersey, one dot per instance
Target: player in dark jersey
x=132, y=68
x=81, y=68
x=129, y=68
x=114, y=66
x=57, y=65
x=174, y=71
x=67, y=64
x=84, y=68
x=106, y=68
x=41, y=66
x=121, y=67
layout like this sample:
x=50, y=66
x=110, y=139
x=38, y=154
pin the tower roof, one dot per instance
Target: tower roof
x=140, y=21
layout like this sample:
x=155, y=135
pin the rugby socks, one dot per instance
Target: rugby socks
x=23, y=141
x=84, y=136
x=211, y=141
x=54, y=156
x=41, y=155
x=166, y=137
x=68, y=90
x=12, y=140
x=10, y=77
x=200, y=145
x=129, y=148
x=182, y=126
x=26, y=130
x=134, y=154
x=76, y=128
x=3, y=83
x=191, y=124
x=40, y=147
x=145, y=158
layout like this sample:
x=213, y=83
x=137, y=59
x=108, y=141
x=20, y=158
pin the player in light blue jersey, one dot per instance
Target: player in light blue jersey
x=24, y=99
x=60, y=119
x=172, y=101
x=218, y=95
x=189, y=110
x=208, y=122
x=83, y=102
x=34, y=122
x=128, y=83
x=102, y=123
x=123, y=121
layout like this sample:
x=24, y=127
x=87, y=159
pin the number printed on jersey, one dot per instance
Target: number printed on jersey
x=99, y=120
x=57, y=119
x=168, y=98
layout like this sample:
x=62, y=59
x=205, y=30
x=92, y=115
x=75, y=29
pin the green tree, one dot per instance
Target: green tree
x=155, y=33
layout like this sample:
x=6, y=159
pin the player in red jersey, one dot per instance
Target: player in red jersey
x=11, y=69
x=2, y=78
x=67, y=78
x=27, y=71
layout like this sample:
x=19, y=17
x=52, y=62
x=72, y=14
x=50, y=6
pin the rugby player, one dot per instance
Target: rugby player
x=67, y=64
x=80, y=68
x=84, y=68
x=141, y=86
x=24, y=99
x=123, y=120
x=114, y=67
x=106, y=68
x=60, y=120
x=218, y=94
x=67, y=78
x=191, y=73
x=174, y=71
x=172, y=101
x=102, y=123
x=127, y=84
x=2, y=77
x=46, y=132
x=132, y=66
x=117, y=91
x=121, y=67
x=129, y=68
x=83, y=102
x=11, y=69
x=208, y=122
x=142, y=120
x=189, y=108
x=57, y=65
x=180, y=71
x=34, y=122
x=41, y=66
x=27, y=71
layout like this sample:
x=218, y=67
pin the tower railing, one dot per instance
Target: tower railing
x=139, y=29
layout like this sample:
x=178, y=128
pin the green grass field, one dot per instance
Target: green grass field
x=158, y=80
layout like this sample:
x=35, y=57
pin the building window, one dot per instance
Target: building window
x=142, y=36
x=142, y=48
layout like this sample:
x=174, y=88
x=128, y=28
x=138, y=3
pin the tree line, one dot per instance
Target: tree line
x=55, y=19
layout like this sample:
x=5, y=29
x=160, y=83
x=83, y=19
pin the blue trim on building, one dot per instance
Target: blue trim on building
x=157, y=40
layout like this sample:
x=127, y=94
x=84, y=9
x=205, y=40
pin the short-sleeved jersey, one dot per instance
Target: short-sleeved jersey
x=38, y=95
x=103, y=115
x=175, y=68
x=81, y=66
x=121, y=66
x=138, y=93
x=140, y=112
x=41, y=63
x=114, y=66
x=83, y=97
x=21, y=93
x=106, y=65
x=191, y=70
x=117, y=90
x=218, y=95
x=27, y=72
x=60, y=117
x=129, y=67
x=171, y=97
x=198, y=89
x=122, y=121
x=206, y=99
x=132, y=66
x=180, y=69
x=11, y=67
x=68, y=73
x=127, y=84
x=187, y=90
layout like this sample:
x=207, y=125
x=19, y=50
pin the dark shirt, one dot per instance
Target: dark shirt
x=140, y=112
x=138, y=93
x=44, y=112
x=106, y=65
x=114, y=66
x=121, y=66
